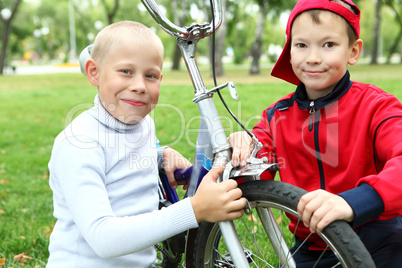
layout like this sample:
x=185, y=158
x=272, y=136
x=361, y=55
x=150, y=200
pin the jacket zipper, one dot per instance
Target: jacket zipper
x=312, y=112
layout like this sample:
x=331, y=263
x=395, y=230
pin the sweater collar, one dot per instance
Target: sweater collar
x=108, y=120
x=340, y=89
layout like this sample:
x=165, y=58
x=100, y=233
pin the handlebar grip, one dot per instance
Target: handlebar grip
x=183, y=174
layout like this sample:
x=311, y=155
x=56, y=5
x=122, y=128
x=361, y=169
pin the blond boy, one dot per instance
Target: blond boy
x=104, y=165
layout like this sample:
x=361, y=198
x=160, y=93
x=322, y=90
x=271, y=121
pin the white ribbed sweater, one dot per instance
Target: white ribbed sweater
x=104, y=175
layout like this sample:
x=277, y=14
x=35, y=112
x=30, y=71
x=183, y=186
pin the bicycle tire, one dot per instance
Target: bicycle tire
x=274, y=194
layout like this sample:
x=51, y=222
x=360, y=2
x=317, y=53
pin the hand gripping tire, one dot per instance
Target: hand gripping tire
x=280, y=200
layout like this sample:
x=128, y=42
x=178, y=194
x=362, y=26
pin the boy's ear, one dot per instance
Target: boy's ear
x=355, y=52
x=92, y=72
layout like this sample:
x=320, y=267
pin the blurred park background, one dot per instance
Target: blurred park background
x=42, y=90
x=42, y=32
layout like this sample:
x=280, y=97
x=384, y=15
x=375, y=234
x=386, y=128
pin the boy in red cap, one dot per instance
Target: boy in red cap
x=340, y=140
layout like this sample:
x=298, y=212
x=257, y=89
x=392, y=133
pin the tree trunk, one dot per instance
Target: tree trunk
x=394, y=45
x=179, y=19
x=176, y=58
x=4, y=40
x=398, y=17
x=6, y=34
x=111, y=14
x=257, y=45
x=376, y=31
x=220, y=43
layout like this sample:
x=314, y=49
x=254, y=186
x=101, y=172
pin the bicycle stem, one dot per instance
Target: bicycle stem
x=188, y=50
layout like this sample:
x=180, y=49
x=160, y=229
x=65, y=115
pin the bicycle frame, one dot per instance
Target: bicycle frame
x=212, y=146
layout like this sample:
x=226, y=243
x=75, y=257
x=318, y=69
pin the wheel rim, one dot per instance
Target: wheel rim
x=216, y=254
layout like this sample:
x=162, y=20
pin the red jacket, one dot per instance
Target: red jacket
x=348, y=143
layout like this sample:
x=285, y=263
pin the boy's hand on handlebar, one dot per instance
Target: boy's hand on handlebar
x=242, y=145
x=215, y=202
x=319, y=208
x=172, y=161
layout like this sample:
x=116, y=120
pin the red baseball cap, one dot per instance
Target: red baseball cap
x=283, y=68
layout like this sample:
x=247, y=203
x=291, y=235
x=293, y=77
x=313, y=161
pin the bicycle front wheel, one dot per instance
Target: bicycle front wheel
x=266, y=238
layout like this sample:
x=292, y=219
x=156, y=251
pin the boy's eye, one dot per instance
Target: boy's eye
x=126, y=71
x=329, y=44
x=300, y=45
x=153, y=76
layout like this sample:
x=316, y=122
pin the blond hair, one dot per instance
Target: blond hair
x=122, y=33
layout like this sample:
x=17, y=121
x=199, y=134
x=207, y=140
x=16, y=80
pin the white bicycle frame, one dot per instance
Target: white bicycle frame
x=212, y=143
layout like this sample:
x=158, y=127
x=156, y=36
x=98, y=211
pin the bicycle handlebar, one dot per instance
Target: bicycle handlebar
x=179, y=31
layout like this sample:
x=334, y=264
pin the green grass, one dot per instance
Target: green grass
x=34, y=109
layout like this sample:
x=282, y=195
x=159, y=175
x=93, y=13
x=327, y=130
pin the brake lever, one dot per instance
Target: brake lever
x=254, y=167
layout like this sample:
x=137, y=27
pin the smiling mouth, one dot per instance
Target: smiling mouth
x=134, y=103
x=313, y=73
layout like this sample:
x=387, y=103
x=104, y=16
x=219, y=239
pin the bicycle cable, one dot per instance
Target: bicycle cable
x=214, y=73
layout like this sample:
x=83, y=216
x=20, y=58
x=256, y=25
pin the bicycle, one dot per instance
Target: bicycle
x=270, y=203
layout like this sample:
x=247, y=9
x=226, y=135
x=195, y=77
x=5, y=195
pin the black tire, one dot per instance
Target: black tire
x=209, y=249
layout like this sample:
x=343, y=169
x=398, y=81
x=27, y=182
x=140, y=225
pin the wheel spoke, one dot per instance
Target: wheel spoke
x=273, y=205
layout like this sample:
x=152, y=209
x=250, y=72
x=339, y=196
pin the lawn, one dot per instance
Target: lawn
x=34, y=109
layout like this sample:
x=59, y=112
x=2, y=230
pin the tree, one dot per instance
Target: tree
x=220, y=37
x=264, y=7
x=376, y=32
x=7, y=15
x=111, y=11
x=180, y=17
x=241, y=24
x=220, y=42
x=396, y=6
x=257, y=44
x=54, y=17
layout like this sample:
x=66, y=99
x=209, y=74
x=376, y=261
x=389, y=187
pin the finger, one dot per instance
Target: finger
x=300, y=206
x=236, y=143
x=172, y=181
x=236, y=157
x=239, y=144
x=228, y=185
x=185, y=186
x=317, y=217
x=235, y=214
x=309, y=209
x=244, y=156
x=235, y=193
x=324, y=222
x=182, y=182
x=213, y=174
x=304, y=200
x=238, y=204
x=247, y=146
x=217, y=169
